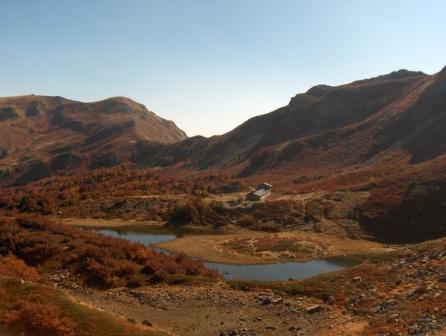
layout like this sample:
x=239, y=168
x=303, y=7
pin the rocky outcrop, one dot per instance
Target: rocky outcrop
x=35, y=110
x=65, y=161
x=8, y=113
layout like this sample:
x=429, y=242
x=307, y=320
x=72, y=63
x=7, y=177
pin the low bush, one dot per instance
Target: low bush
x=198, y=212
x=100, y=260
x=34, y=317
x=87, y=192
x=12, y=266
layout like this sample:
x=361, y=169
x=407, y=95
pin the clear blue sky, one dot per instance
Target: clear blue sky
x=211, y=64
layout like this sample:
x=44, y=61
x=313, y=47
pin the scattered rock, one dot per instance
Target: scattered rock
x=147, y=323
x=314, y=309
x=385, y=306
x=294, y=328
x=35, y=109
x=268, y=299
x=241, y=332
x=418, y=291
x=8, y=113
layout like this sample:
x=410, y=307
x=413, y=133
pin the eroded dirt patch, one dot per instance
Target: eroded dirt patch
x=219, y=310
x=253, y=247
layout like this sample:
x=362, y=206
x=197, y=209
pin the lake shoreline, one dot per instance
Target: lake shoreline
x=228, y=246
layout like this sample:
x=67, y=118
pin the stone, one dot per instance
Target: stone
x=147, y=323
x=313, y=309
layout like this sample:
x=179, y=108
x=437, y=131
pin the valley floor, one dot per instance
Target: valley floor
x=217, y=308
x=220, y=310
x=241, y=246
x=402, y=292
x=253, y=247
x=396, y=290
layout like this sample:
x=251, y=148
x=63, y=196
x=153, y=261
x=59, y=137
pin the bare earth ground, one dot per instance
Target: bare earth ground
x=397, y=293
x=240, y=247
x=219, y=310
x=108, y=223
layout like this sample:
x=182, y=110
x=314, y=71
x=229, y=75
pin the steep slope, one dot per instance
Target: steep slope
x=409, y=205
x=384, y=135
x=322, y=131
x=40, y=135
x=334, y=125
x=326, y=128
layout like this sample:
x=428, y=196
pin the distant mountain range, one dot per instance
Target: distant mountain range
x=327, y=128
x=400, y=116
x=384, y=136
x=41, y=135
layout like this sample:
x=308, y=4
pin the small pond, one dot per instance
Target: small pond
x=139, y=237
x=280, y=271
x=265, y=272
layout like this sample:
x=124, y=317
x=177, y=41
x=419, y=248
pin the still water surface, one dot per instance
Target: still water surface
x=265, y=272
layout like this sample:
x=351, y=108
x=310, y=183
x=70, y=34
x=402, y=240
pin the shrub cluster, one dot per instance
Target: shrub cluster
x=34, y=317
x=11, y=266
x=100, y=260
x=198, y=212
x=265, y=216
x=96, y=192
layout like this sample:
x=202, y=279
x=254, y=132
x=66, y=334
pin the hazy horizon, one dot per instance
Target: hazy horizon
x=211, y=65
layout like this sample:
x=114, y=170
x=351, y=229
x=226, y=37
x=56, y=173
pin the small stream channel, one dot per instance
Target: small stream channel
x=263, y=272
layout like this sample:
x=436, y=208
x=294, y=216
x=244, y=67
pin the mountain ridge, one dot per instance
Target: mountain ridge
x=360, y=116
x=327, y=128
x=43, y=134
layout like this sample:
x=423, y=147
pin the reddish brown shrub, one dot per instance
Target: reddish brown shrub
x=101, y=260
x=36, y=318
x=198, y=212
x=65, y=193
x=11, y=266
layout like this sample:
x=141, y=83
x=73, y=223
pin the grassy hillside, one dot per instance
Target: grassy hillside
x=28, y=304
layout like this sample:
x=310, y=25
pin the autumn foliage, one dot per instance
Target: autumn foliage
x=29, y=314
x=264, y=216
x=34, y=317
x=12, y=266
x=100, y=260
x=112, y=193
x=409, y=207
